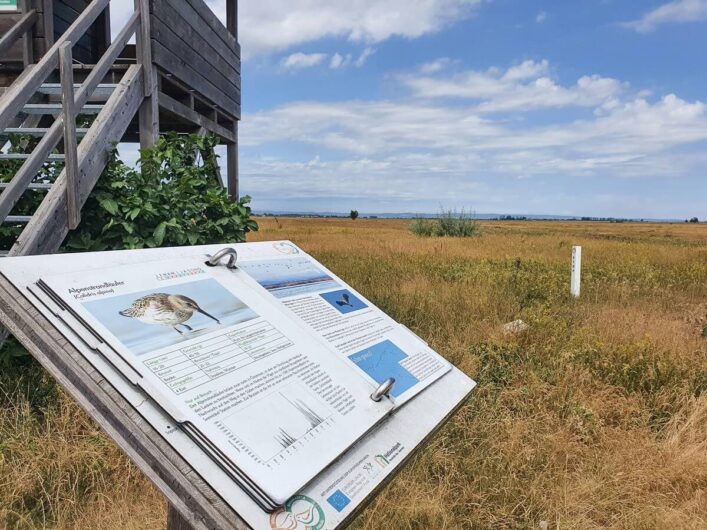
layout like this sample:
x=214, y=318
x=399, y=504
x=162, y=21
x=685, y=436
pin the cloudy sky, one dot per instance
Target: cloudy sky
x=589, y=107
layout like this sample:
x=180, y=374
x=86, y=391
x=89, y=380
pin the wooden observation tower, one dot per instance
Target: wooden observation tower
x=58, y=62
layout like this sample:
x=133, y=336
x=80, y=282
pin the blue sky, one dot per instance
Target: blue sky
x=589, y=107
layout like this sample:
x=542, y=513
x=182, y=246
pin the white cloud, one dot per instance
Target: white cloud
x=365, y=55
x=303, y=60
x=339, y=61
x=402, y=149
x=523, y=87
x=678, y=11
x=436, y=66
x=275, y=25
x=541, y=17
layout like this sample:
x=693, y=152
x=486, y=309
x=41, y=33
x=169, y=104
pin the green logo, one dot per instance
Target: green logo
x=299, y=513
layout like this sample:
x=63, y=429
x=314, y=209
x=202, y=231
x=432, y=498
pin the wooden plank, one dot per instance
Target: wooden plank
x=175, y=521
x=196, y=54
x=114, y=415
x=182, y=16
x=19, y=93
x=48, y=228
x=216, y=26
x=70, y=143
x=173, y=28
x=170, y=104
x=185, y=73
x=18, y=30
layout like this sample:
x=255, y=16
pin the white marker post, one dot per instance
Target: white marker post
x=576, y=279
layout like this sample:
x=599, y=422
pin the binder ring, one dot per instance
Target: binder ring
x=216, y=258
x=383, y=390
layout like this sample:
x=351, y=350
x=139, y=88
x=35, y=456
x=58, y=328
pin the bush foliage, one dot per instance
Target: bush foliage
x=173, y=199
x=449, y=223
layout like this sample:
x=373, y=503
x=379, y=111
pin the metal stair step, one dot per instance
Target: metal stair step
x=36, y=132
x=54, y=89
x=18, y=219
x=33, y=186
x=56, y=108
x=24, y=156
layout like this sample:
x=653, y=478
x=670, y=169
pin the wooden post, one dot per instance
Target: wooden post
x=576, y=280
x=232, y=148
x=28, y=39
x=175, y=521
x=149, y=110
x=48, y=20
x=70, y=143
x=232, y=17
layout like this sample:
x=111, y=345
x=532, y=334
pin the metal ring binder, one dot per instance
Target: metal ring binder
x=383, y=390
x=216, y=258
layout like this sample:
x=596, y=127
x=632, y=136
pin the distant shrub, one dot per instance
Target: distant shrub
x=449, y=223
x=354, y=214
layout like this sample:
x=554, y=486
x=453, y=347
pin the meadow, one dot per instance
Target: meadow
x=594, y=417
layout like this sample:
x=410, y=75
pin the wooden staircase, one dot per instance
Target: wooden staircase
x=38, y=107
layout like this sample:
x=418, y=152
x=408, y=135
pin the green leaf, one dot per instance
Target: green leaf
x=159, y=233
x=110, y=206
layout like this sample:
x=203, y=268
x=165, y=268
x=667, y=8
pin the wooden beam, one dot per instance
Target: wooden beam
x=71, y=166
x=232, y=17
x=232, y=166
x=20, y=28
x=149, y=118
x=48, y=19
x=175, y=521
x=19, y=93
x=170, y=104
x=27, y=40
x=49, y=225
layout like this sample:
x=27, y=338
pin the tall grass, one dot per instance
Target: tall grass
x=449, y=223
x=594, y=418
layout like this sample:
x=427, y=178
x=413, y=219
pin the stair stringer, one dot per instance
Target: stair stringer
x=48, y=228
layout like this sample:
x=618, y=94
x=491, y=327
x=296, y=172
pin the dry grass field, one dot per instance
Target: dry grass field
x=595, y=417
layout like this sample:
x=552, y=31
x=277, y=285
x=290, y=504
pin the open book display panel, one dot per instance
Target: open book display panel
x=122, y=414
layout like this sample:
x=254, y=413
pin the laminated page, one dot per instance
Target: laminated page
x=353, y=327
x=223, y=362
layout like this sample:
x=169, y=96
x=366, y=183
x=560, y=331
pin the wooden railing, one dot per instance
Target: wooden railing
x=23, y=89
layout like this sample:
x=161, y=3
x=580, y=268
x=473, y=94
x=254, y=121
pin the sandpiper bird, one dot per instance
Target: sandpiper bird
x=166, y=309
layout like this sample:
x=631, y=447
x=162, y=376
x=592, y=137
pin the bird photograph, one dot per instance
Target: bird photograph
x=344, y=301
x=171, y=310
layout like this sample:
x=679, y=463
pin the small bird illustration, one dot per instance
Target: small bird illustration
x=165, y=309
x=345, y=300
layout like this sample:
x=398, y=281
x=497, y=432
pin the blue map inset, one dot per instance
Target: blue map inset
x=343, y=301
x=382, y=361
x=338, y=500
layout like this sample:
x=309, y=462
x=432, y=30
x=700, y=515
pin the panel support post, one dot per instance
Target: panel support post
x=149, y=117
x=232, y=166
x=71, y=166
x=175, y=521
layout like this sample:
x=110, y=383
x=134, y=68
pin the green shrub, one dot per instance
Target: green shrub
x=173, y=199
x=449, y=223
